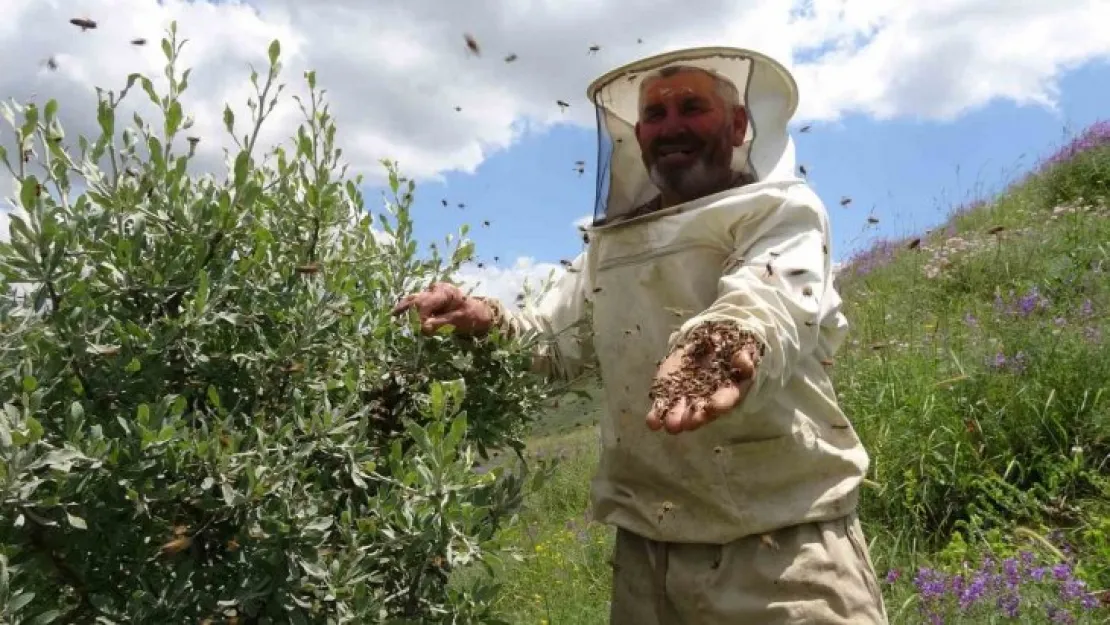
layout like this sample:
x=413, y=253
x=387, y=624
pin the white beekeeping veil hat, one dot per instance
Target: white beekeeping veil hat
x=765, y=88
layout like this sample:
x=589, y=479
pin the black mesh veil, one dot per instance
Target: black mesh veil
x=765, y=88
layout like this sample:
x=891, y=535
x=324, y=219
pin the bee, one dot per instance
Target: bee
x=844, y=201
x=138, y=42
x=594, y=49
x=485, y=222
x=176, y=545
x=796, y=272
x=639, y=40
x=878, y=346
x=444, y=202
x=462, y=204
x=914, y=244
x=807, y=291
x=872, y=220
x=496, y=259
x=564, y=262
x=472, y=44
x=52, y=63
x=308, y=269
x=510, y=58
x=458, y=109
x=293, y=367
x=802, y=169
x=996, y=230
x=597, y=289
x=770, y=270
x=827, y=362
x=83, y=23
x=805, y=128
x=563, y=105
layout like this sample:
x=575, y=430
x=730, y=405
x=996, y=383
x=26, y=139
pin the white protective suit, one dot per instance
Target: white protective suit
x=757, y=256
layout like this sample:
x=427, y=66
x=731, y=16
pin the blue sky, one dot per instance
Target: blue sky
x=906, y=172
x=917, y=105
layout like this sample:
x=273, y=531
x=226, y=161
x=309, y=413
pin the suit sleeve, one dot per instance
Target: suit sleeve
x=556, y=324
x=777, y=287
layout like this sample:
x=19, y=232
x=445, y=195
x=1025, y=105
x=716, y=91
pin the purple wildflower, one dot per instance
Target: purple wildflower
x=1062, y=571
x=971, y=321
x=892, y=575
x=1094, y=136
x=1087, y=309
x=1092, y=334
x=930, y=583
x=1009, y=604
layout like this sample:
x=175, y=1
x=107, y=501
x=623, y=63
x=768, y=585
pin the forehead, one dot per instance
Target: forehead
x=677, y=87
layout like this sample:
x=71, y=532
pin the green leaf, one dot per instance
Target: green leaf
x=20, y=600
x=274, y=51
x=173, y=118
x=142, y=415
x=51, y=110
x=76, y=521
x=76, y=410
x=242, y=161
x=229, y=119
x=201, y=299
x=46, y=617
x=29, y=193
x=30, y=383
x=167, y=49
x=213, y=396
x=106, y=117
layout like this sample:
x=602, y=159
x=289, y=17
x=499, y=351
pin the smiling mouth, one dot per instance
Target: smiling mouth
x=669, y=150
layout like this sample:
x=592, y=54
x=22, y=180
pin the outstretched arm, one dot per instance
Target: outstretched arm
x=775, y=306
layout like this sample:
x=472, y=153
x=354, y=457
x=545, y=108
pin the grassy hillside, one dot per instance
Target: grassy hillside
x=978, y=375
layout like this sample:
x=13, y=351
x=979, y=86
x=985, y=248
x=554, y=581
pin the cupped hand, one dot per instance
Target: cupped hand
x=701, y=381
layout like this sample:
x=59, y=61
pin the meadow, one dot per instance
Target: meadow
x=978, y=376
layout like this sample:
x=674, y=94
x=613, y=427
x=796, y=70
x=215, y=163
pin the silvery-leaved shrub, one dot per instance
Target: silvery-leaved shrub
x=208, y=413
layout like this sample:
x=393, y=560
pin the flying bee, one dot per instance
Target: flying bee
x=563, y=105
x=594, y=49
x=138, y=42
x=914, y=244
x=510, y=58
x=472, y=44
x=872, y=220
x=844, y=201
x=83, y=23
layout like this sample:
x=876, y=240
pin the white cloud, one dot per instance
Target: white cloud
x=395, y=70
x=504, y=283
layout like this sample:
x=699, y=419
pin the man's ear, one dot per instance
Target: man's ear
x=739, y=125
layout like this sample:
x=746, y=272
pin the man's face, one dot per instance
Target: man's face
x=687, y=133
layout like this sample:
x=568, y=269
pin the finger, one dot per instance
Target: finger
x=455, y=318
x=655, y=415
x=742, y=364
x=677, y=416
x=699, y=416
x=725, y=398
x=403, y=305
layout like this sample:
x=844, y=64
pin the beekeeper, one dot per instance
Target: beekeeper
x=733, y=489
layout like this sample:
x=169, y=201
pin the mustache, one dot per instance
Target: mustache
x=683, y=142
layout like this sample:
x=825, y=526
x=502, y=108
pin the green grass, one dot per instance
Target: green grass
x=980, y=385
